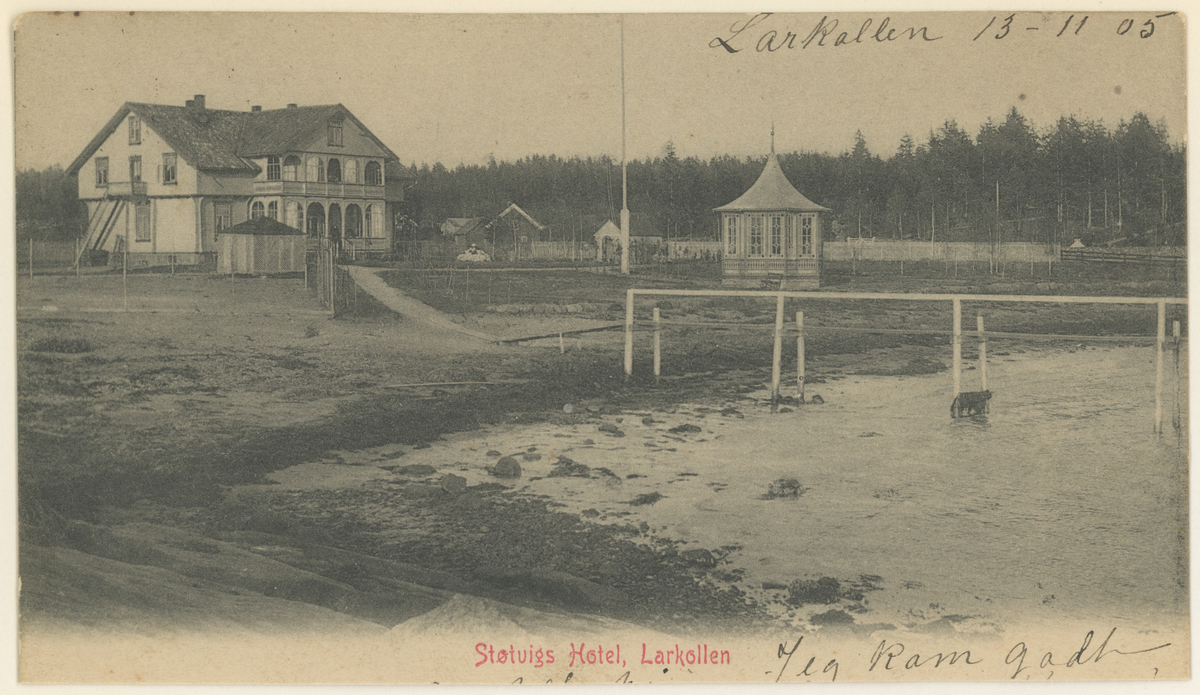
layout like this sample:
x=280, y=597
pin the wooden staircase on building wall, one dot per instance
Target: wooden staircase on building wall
x=101, y=224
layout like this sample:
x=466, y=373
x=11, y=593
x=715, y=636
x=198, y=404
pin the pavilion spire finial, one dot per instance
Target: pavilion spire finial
x=772, y=137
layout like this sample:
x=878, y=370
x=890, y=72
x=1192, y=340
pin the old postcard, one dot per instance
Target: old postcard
x=602, y=348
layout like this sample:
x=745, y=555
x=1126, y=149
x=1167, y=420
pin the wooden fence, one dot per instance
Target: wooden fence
x=1171, y=258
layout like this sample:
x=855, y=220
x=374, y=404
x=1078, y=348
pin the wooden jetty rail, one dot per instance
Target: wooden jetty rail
x=956, y=301
x=559, y=334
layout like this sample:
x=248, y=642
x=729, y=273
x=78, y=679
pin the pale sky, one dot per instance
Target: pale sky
x=458, y=88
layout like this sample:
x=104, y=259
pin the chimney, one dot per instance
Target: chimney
x=291, y=106
x=190, y=103
x=255, y=109
x=199, y=99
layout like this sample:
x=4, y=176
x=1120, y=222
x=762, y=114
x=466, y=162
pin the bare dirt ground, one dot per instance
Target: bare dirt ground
x=148, y=426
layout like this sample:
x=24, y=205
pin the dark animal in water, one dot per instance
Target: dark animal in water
x=970, y=403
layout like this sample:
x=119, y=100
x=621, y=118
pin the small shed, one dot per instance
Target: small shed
x=772, y=232
x=261, y=246
x=644, y=240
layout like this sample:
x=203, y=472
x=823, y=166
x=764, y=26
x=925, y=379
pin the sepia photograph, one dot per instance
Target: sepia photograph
x=709, y=347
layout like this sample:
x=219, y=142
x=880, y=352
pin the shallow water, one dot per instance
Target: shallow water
x=1060, y=504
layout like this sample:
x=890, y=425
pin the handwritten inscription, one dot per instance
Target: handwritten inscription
x=1044, y=667
x=763, y=33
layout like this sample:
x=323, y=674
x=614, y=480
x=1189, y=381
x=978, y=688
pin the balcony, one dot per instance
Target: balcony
x=125, y=189
x=318, y=189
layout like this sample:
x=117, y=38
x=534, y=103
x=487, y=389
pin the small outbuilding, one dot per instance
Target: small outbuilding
x=772, y=232
x=261, y=246
x=645, y=240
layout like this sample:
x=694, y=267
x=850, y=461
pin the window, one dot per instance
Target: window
x=316, y=220
x=224, y=212
x=756, y=235
x=353, y=221
x=291, y=168
x=373, y=174
x=295, y=215
x=273, y=210
x=170, y=170
x=776, y=235
x=350, y=171
x=142, y=222
x=101, y=171
x=374, y=222
x=135, y=130
x=335, y=221
x=256, y=210
x=731, y=231
x=806, y=235
x=789, y=244
x=316, y=169
x=135, y=169
x=335, y=131
x=273, y=169
x=335, y=171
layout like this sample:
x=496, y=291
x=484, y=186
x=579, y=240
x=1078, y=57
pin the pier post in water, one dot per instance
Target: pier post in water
x=982, y=352
x=956, y=365
x=800, y=354
x=1158, y=366
x=657, y=344
x=628, y=334
x=777, y=353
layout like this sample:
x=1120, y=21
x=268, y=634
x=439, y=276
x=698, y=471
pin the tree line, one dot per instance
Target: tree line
x=1010, y=181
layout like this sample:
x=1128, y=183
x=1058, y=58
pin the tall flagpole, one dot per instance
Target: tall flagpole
x=624, y=175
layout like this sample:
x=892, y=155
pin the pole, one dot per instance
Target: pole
x=777, y=351
x=956, y=368
x=800, y=353
x=1158, y=367
x=624, y=173
x=628, y=334
x=982, y=352
x=562, y=348
x=657, y=345
x=31, y=259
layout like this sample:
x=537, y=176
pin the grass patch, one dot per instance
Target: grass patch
x=67, y=346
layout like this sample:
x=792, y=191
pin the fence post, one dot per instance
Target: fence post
x=1158, y=366
x=657, y=344
x=956, y=367
x=800, y=353
x=628, y=334
x=777, y=351
x=982, y=352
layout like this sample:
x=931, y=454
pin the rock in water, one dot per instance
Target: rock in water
x=608, y=427
x=506, y=467
x=681, y=429
x=454, y=484
x=817, y=400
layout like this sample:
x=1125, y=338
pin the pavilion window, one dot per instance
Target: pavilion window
x=756, y=235
x=789, y=242
x=273, y=173
x=806, y=235
x=291, y=168
x=256, y=210
x=731, y=235
x=776, y=235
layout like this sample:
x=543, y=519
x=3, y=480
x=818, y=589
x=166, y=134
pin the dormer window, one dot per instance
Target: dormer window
x=135, y=130
x=273, y=169
x=335, y=131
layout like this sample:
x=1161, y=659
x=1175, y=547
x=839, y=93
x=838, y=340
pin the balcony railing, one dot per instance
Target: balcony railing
x=765, y=266
x=126, y=189
x=321, y=189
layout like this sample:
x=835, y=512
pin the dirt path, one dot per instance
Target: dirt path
x=398, y=302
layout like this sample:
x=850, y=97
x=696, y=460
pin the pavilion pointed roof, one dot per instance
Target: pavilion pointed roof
x=772, y=191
